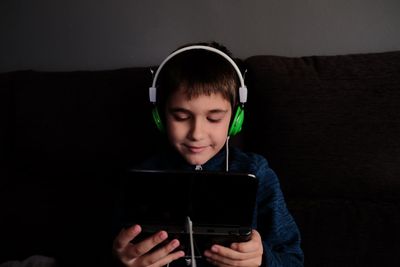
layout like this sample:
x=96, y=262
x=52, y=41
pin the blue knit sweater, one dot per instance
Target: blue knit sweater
x=279, y=232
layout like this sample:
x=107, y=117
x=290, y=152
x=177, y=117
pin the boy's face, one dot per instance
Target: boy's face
x=197, y=127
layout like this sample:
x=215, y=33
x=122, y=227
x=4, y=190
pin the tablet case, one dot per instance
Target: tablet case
x=219, y=204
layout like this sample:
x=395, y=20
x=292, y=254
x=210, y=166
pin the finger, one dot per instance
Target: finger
x=141, y=248
x=228, y=257
x=163, y=255
x=254, y=244
x=167, y=249
x=220, y=252
x=125, y=236
x=217, y=252
x=170, y=258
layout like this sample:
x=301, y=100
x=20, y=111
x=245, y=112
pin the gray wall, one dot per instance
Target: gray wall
x=101, y=34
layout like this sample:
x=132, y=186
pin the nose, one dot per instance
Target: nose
x=197, y=129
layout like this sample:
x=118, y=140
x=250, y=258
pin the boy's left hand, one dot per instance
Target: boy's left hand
x=245, y=254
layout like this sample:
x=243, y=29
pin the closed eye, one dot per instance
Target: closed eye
x=180, y=114
x=216, y=116
x=180, y=117
x=214, y=120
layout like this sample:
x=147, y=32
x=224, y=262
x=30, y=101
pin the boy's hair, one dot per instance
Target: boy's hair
x=198, y=72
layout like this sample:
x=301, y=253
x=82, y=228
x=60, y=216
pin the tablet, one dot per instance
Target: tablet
x=220, y=205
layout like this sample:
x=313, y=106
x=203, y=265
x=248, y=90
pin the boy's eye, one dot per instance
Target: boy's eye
x=215, y=119
x=181, y=116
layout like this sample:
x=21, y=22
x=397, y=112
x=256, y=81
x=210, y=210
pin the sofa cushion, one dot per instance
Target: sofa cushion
x=72, y=133
x=329, y=125
x=83, y=118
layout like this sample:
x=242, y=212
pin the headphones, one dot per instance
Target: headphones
x=237, y=122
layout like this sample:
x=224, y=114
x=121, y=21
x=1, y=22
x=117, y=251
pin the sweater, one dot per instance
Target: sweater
x=279, y=232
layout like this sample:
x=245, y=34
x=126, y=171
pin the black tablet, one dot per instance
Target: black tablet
x=220, y=205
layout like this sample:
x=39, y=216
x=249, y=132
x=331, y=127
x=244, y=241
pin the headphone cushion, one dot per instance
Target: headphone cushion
x=237, y=122
x=157, y=119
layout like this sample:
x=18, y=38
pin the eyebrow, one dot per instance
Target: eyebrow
x=175, y=110
x=212, y=111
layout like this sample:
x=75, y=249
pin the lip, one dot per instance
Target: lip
x=195, y=149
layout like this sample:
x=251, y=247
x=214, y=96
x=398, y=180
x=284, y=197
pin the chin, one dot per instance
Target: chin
x=196, y=160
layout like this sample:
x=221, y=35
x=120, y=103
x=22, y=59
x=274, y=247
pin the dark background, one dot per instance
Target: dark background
x=58, y=123
x=108, y=34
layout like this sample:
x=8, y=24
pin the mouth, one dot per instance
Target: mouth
x=195, y=149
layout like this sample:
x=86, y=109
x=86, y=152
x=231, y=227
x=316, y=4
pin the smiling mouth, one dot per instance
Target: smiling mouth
x=195, y=149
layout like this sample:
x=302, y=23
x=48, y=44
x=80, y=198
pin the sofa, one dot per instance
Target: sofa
x=328, y=125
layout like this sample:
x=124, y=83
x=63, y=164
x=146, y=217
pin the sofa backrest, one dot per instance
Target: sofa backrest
x=82, y=118
x=330, y=126
x=64, y=138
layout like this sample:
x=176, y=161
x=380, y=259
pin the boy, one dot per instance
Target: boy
x=199, y=97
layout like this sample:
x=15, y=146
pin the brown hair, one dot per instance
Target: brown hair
x=198, y=72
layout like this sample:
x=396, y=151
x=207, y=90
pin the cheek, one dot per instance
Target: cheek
x=175, y=131
x=223, y=133
x=225, y=126
x=219, y=133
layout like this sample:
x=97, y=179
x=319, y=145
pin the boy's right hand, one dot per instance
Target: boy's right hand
x=139, y=254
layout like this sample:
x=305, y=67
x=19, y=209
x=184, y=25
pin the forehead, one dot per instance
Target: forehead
x=193, y=90
x=212, y=100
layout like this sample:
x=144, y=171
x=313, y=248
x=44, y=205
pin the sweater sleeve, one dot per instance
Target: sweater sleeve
x=278, y=230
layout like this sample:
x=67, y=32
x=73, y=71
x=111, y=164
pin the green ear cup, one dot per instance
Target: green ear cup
x=157, y=119
x=237, y=121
